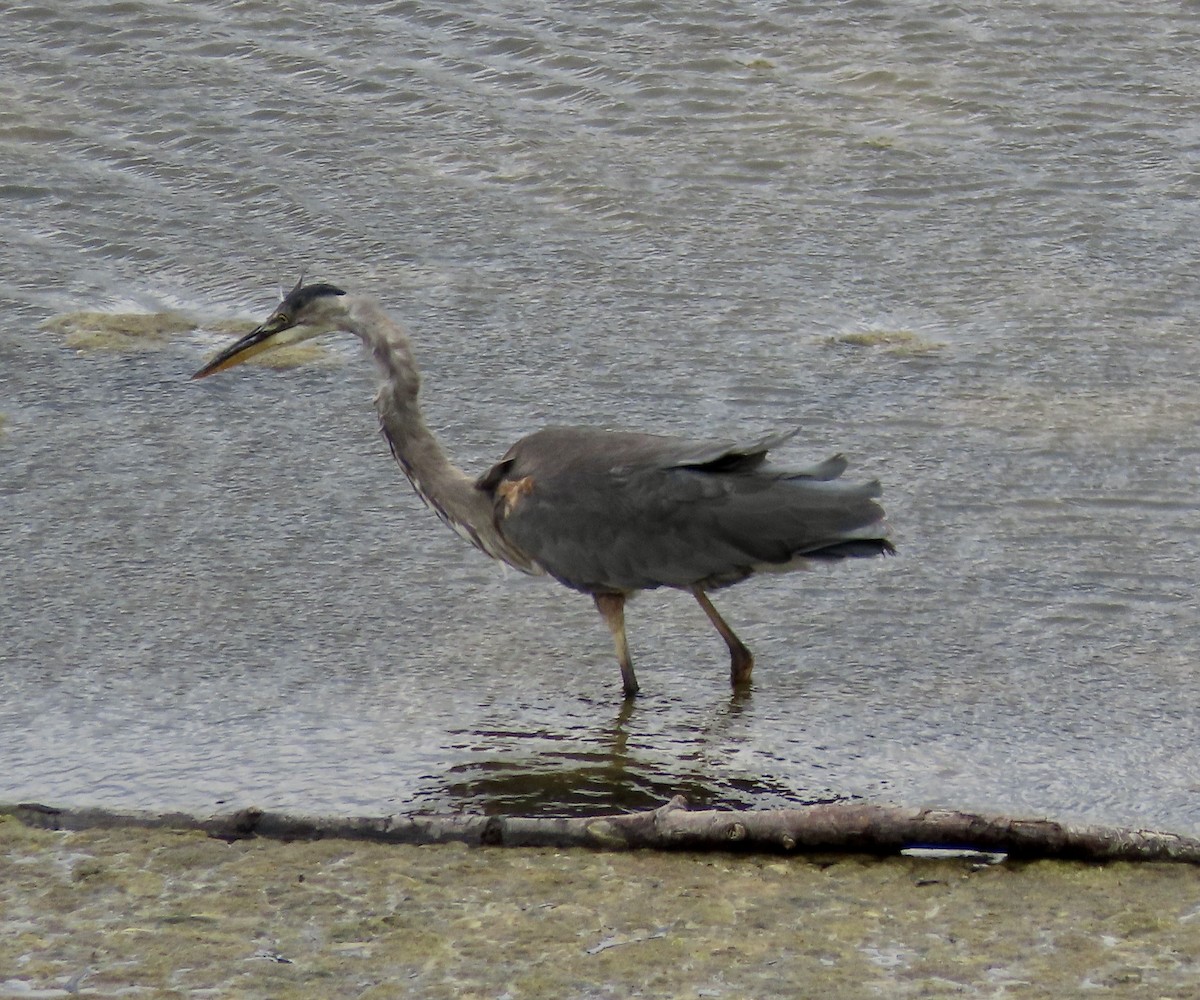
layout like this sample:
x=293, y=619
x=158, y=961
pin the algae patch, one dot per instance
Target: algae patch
x=902, y=342
x=135, y=332
x=101, y=331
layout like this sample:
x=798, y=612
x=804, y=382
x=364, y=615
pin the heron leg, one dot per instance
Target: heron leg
x=612, y=609
x=741, y=660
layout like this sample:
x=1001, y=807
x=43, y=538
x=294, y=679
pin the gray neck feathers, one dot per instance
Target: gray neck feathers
x=449, y=491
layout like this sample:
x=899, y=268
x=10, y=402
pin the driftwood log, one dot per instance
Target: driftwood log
x=825, y=829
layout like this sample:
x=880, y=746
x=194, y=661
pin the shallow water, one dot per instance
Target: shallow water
x=221, y=593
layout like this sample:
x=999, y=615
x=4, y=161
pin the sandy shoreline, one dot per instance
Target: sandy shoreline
x=179, y=914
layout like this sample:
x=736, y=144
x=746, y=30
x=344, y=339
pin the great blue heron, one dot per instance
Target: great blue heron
x=607, y=513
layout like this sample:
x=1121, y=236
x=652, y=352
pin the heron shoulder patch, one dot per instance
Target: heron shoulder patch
x=510, y=493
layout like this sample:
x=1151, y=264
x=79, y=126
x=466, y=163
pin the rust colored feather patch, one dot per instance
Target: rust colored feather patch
x=510, y=492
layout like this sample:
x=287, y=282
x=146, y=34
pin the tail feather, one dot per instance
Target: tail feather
x=825, y=471
x=858, y=548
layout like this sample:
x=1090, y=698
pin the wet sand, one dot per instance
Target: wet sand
x=170, y=914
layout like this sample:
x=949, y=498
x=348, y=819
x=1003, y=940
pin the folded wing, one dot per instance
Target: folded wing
x=610, y=511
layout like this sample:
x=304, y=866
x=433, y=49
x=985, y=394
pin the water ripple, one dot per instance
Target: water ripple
x=648, y=215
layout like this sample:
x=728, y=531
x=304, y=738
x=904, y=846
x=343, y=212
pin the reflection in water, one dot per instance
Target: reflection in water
x=542, y=773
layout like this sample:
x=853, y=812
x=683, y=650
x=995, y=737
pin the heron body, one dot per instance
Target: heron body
x=607, y=513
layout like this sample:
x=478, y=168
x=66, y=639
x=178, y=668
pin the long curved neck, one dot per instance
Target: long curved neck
x=444, y=487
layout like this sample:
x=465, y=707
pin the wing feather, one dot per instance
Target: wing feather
x=613, y=511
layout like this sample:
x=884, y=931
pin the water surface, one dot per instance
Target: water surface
x=223, y=593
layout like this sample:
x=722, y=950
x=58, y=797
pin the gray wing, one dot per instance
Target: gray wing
x=603, y=510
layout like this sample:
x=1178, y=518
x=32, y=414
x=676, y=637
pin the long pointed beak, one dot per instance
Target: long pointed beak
x=271, y=334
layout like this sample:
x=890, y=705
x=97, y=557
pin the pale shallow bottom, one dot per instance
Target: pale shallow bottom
x=157, y=913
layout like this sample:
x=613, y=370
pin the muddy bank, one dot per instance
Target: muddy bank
x=162, y=913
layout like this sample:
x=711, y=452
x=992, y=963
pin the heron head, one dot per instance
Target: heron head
x=306, y=311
